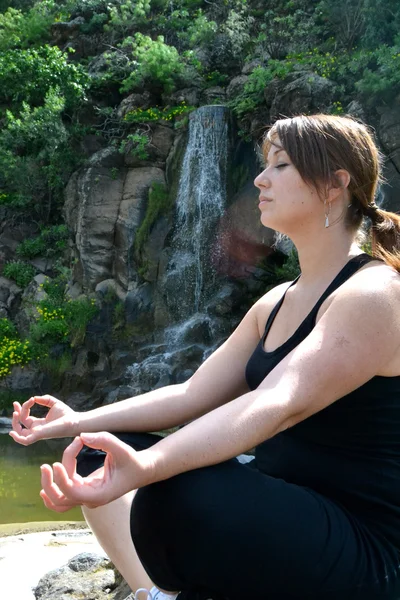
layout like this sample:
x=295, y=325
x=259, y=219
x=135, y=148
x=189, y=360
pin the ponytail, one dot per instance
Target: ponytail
x=385, y=232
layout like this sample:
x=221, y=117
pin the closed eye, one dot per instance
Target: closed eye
x=281, y=166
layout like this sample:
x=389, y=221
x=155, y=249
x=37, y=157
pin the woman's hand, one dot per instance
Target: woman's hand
x=60, y=421
x=123, y=470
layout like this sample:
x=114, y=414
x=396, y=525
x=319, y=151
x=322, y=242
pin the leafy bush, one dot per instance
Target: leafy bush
x=149, y=115
x=253, y=92
x=61, y=319
x=13, y=352
x=157, y=64
x=36, y=157
x=22, y=273
x=49, y=331
x=22, y=29
x=28, y=76
x=7, y=329
x=128, y=13
x=50, y=242
x=135, y=144
x=380, y=79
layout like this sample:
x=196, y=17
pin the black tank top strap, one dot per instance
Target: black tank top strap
x=277, y=306
x=348, y=270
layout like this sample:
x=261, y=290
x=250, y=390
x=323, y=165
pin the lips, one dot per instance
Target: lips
x=264, y=199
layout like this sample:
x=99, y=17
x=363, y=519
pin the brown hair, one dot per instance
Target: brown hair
x=319, y=145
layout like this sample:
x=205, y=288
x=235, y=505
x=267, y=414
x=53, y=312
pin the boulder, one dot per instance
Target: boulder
x=86, y=575
x=300, y=92
x=104, y=207
x=161, y=138
x=131, y=212
x=10, y=293
x=389, y=137
x=62, y=31
x=389, y=134
x=236, y=86
x=214, y=95
x=188, y=96
x=133, y=102
x=26, y=380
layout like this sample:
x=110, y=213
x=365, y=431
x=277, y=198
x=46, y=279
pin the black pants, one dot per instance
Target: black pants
x=231, y=532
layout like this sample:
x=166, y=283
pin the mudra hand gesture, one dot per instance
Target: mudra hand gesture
x=59, y=422
x=123, y=470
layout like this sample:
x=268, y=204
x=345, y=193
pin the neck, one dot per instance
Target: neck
x=323, y=253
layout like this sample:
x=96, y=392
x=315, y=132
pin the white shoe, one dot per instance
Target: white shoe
x=153, y=594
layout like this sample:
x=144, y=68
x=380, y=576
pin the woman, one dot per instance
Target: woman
x=310, y=377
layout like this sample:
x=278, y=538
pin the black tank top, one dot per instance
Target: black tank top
x=349, y=451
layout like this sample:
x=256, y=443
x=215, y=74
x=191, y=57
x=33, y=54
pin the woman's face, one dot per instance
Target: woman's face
x=287, y=203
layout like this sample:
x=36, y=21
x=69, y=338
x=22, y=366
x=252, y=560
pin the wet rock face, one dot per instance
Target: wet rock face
x=299, y=93
x=389, y=136
x=86, y=575
x=105, y=204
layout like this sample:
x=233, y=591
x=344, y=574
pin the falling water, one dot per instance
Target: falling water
x=200, y=204
x=191, y=280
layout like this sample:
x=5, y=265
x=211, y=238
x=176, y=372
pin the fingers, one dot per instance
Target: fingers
x=61, y=508
x=46, y=400
x=51, y=494
x=25, y=409
x=69, y=456
x=104, y=441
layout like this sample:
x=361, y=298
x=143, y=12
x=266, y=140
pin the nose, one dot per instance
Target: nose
x=262, y=181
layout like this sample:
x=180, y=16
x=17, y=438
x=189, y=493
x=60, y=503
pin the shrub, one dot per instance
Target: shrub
x=23, y=29
x=135, y=144
x=13, y=352
x=155, y=64
x=50, y=242
x=154, y=114
x=36, y=157
x=28, y=76
x=22, y=273
x=7, y=329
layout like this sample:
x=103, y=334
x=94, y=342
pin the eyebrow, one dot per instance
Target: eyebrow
x=279, y=149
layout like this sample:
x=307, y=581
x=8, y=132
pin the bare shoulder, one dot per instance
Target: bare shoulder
x=368, y=303
x=376, y=283
x=266, y=303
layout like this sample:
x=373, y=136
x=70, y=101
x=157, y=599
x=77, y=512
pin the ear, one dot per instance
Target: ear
x=339, y=183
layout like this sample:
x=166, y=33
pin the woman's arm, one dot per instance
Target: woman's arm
x=356, y=337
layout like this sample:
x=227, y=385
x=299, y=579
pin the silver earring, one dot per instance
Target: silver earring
x=327, y=214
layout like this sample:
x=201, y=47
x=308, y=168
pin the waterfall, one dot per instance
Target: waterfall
x=200, y=203
x=191, y=280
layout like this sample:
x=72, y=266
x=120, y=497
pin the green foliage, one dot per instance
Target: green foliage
x=7, y=329
x=61, y=320
x=50, y=242
x=128, y=13
x=380, y=80
x=49, y=330
x=22, y=273
x=35, y=156
x=149, y=115
x=22, y=29
x=253, y=92
x=135, y=144
x=13, y=352
x=201, y=31
x=155, y=64
x=7, y=397
x=290, y=268
x=29, y=75
x=159, y=202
